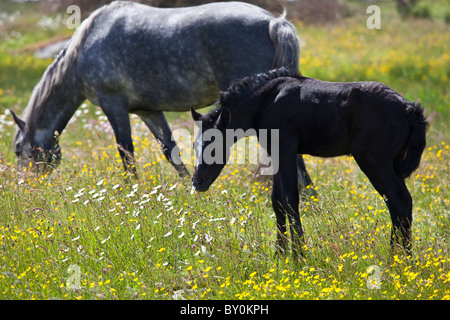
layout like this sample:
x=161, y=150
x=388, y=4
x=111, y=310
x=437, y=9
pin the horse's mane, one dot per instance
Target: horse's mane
x=44, y=89
x=55, y=73
x=239, y=90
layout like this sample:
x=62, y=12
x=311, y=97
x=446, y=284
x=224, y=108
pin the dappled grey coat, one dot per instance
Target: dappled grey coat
x=132, y=58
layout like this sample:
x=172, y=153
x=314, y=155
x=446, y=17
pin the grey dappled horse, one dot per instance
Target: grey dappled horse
x=132, y=58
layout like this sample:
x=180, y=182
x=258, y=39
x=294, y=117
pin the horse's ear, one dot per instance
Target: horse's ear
x=17, y=120
x=224, y=118
x=195, y=115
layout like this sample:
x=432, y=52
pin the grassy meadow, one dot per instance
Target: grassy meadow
x=88, y=232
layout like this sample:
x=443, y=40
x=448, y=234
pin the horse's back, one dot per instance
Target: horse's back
x=173, y=58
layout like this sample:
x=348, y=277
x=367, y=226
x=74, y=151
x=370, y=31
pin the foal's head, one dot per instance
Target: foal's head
x=210, y=146
x=31, y=154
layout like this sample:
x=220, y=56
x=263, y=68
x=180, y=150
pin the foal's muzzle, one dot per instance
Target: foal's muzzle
x=199, y=184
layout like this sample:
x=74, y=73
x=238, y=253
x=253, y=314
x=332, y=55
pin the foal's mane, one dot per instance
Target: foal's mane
x=239, y=90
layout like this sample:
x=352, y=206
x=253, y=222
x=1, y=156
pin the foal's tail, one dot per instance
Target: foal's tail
x=416, y=142
x=284, y=39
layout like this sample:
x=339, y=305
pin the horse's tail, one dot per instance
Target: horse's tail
x=284, y=38
x=416, y=142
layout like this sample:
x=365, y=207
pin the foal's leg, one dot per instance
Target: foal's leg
x=397, y=197
x=304, y=179
x=116, y=111
x=157, y=123
x=289, y=194
x=279, y=213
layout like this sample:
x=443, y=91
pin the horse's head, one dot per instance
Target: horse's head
x=210, y=146
x=32, y=154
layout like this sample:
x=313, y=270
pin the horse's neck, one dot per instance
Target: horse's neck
x=52, y=104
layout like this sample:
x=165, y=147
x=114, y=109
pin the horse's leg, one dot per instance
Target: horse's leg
x=279, y=213
x=116, y=111
x=157, y=123
x=397, y=197
x=289, y=194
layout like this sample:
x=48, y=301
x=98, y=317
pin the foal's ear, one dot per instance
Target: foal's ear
x=355, y=95
x=224, y=118
x=195, y=115
x=17, y=120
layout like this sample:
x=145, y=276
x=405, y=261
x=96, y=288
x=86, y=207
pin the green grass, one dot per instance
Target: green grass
x=151, y=238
